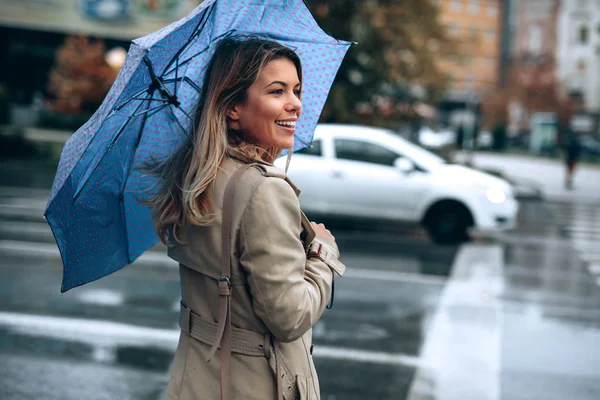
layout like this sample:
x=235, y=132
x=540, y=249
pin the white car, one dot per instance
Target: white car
x=364, y=172
x=436, y=139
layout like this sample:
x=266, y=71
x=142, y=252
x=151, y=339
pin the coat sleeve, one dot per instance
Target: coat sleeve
x=289, y=293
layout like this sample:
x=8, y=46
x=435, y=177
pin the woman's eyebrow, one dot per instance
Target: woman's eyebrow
x=282, y=84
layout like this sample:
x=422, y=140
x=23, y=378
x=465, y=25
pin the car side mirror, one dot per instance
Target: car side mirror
x=404, y=165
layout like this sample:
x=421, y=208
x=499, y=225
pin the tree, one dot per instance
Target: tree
x=398, y=50
x=80, y=78
x=533, y=85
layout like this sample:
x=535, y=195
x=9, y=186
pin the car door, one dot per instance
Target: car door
x=364, y=182
x=307, y=170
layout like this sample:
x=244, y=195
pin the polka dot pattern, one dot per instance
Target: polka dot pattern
x=93, y=210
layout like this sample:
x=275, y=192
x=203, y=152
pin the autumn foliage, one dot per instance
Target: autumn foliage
x=534, y=86
x=399, y=46
x=81, y=78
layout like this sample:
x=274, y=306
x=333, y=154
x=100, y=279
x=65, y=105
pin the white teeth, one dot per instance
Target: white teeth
x=291, y=124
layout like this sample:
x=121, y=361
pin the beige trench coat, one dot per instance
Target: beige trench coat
x=277, y=290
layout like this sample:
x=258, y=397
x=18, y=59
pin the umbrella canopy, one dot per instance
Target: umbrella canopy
x=98, y=223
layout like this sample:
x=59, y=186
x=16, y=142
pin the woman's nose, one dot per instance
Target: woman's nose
x=294, y=105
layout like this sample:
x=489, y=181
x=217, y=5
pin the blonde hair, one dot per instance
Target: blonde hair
x=182, y=196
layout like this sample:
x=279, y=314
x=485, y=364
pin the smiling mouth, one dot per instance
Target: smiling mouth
x=286, y=124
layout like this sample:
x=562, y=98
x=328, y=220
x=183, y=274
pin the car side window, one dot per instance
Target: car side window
x=314, y=150
x=359, y=150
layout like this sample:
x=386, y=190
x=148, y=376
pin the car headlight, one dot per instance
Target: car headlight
x=495, y=195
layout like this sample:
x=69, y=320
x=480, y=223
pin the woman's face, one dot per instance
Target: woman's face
x=272, y=106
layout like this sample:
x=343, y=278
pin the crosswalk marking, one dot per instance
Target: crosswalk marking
x=594, y=269
x=581, y=225
x=104, y=335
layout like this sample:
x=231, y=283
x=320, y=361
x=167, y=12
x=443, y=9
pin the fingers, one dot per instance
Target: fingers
x=321, y=230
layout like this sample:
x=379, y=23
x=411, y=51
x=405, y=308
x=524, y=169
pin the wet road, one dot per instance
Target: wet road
x=515, y=316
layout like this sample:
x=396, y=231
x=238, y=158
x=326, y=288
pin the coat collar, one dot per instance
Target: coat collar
x=238, y=155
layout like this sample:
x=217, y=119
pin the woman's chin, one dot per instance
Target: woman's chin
x=285, y=144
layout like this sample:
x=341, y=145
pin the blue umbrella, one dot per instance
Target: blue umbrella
x=93, y=209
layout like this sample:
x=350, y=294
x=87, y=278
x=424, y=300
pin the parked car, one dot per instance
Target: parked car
x=358, y=171
x=433, y=139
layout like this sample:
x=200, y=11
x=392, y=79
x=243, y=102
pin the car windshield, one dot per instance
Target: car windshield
x=418, y=154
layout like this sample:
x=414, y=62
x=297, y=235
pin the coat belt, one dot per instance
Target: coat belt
x=243, y=341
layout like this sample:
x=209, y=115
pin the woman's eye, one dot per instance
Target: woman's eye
x=277, y=92
x=298, y=92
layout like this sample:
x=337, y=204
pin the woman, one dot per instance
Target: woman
x=248, y=256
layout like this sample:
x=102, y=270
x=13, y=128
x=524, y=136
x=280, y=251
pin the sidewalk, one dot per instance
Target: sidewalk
x=545, y=173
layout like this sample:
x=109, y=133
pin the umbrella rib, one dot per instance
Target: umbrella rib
x=192, y=84
x=128, y=169
x=119, y=132
x=186, y=80
x=303, y=142
x=184, y=112
x=205, y=15
x=157, y=108
x=190, y=58
x=176, y=76
x=185, y=132
x=132, y=98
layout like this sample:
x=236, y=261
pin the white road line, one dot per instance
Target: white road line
x=12, y=210
x=374, y=357
x=95, y=332
x=50, y=250
x=103, y=297
x=394, y=276
x=24, y=193
x=594, y=228
x=105, y=335
x=594, y=269
x=461, y=356
x=585, y=236
x=23, y=227
x=590, y=258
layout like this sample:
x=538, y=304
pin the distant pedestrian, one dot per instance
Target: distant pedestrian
x=572, y=149
x=256, y=274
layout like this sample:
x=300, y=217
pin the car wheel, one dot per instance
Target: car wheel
x=448, y=223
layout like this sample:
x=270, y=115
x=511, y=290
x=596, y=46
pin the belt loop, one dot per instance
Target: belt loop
x=267, y=345
x=186, y=319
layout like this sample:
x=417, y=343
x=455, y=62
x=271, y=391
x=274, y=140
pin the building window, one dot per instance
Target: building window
x=583, y=35
x=490, y=63
x=453, y=30
x=456, y=5
x=473, y=33
x=534, y=39
x=492, y=9
x=490, y=35
x=473, y=6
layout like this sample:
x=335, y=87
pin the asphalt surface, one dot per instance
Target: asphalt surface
x=509, y=316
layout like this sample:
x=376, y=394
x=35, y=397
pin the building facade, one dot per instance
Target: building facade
x=578, y=51
x=476, y=25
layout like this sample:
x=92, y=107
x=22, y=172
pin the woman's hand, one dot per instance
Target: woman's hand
x=321, y=231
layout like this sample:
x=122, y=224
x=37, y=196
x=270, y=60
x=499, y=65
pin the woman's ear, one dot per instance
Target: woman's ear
x=233, y=118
